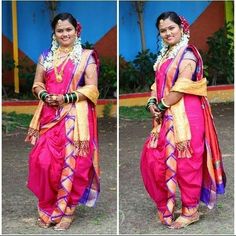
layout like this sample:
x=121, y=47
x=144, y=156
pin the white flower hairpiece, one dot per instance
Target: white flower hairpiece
x=174, y=50
x=75, y=55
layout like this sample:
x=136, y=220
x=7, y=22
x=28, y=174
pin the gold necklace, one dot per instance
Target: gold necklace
x=60, y=57
x=56, y=63
x=66, y=50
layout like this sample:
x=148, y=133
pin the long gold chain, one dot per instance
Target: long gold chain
x=57, y=62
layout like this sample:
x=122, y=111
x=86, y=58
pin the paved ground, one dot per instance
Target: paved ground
x=137, y=211
x=19, y=204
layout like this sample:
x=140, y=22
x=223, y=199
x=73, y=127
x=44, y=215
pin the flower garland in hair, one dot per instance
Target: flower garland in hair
x=78, y=28
x=175, y=49
x=75, y=54
x=185, y=25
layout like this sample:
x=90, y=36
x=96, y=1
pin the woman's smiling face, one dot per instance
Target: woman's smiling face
x=170, y=32
x=65, y=33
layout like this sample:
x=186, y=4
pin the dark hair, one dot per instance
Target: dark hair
x=168, y=14
x=63, y=16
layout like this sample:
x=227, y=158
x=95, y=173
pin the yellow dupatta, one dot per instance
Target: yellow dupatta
x=182, y=131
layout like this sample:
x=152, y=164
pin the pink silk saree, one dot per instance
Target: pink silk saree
x=200, y=177
x=59, y=176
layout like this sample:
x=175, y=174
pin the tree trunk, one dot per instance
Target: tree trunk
x=52, y=7
x=139, y=7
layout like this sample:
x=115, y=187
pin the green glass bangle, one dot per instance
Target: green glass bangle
x=153, y=100
x=41, y=92
x=164, y=104
x=74, y=97
x=161, y=107
x=70, y=97
x=149, y=104
x=66, y=98
x=43, y=96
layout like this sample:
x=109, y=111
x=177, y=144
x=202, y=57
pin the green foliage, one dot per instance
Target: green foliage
x=88, y=45
x=26, y=76
x=219, y=59
x=134, y=113
x=107, y=83
x=107, y=78
x=11, y=121
x=137, y=75
x=8, y=63
x=107, y=110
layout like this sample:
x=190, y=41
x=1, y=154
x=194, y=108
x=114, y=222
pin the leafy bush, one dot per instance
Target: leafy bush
x=7, y=62
x=26, y=76
x=137, y=75
x=219, y=59
x=107, y=78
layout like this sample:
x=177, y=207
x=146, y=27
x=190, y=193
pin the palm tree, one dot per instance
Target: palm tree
x=139, y=8
x=52, y=7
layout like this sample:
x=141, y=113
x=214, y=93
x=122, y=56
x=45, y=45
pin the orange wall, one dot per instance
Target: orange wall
x=207, y=23
x=106, y=46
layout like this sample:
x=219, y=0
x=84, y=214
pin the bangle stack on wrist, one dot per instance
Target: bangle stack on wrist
x=43, y=95
x=71, y=97
x=151, y=101
x=162, y=105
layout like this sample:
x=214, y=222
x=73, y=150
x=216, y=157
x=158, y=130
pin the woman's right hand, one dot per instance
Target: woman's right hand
x=156, y=113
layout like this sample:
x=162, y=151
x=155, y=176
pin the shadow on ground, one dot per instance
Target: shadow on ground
x=19, y=211
x=137, y=211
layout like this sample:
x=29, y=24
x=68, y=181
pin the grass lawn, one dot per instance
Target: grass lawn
x=134, y=113
x=12, y=121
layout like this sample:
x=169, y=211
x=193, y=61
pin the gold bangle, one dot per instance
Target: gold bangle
x=162, y=100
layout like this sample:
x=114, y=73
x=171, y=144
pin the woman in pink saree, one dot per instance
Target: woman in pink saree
x=64, y=162
x=182, y=149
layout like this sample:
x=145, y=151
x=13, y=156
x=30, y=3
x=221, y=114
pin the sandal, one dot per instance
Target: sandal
x=183, y=221
x=42, y=224
x=64, y=224
x=160, y=218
